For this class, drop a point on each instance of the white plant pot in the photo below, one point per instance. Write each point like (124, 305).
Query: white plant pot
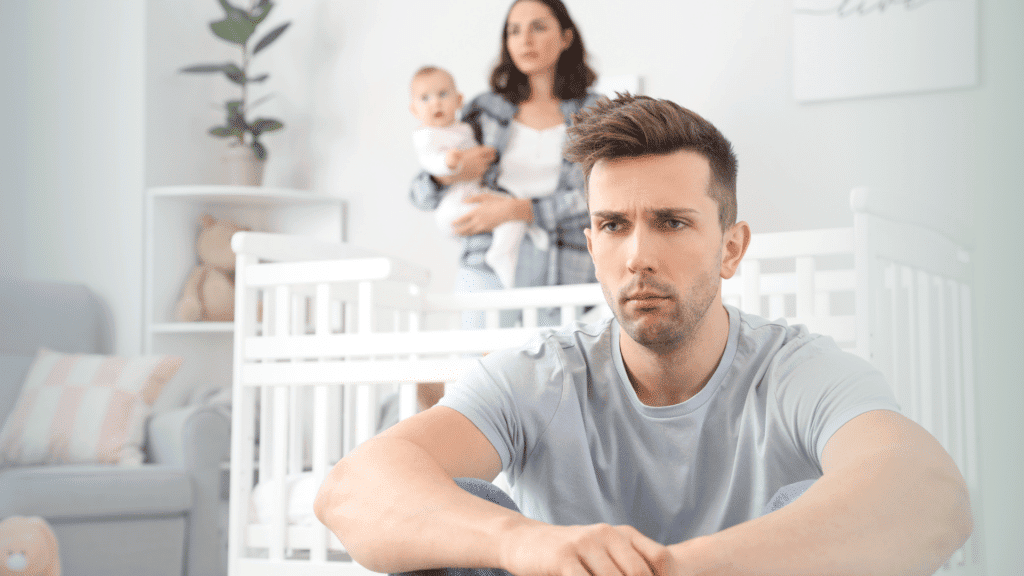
(243, 167)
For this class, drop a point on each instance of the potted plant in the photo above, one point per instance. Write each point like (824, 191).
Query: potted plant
(248, 154)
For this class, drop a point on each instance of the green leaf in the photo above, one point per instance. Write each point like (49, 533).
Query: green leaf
(270, 37)
(209, 68)
(259, 12)
(260, 150)
(225, 131)
(235, 118)
(236, 75)
(262, 125)
(236, 31)
(232, 12)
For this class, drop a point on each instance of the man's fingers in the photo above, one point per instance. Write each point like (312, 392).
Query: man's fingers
(657, 557)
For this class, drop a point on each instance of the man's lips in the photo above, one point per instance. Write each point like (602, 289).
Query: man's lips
(646, 296)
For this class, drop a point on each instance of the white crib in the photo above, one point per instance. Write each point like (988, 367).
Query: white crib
(325, 332)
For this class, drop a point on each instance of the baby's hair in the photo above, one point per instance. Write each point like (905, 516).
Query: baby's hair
(430, 69)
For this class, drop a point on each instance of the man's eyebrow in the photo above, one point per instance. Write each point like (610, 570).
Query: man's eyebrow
(663, 213)
(608, 215)
(657, 213)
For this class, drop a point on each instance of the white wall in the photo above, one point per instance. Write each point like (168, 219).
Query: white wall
(73, 164)
(340, 76)
(76, 153)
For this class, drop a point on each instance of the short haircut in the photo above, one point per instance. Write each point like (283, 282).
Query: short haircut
(630, 126)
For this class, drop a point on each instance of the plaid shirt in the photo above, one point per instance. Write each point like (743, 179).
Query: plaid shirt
(563, 214)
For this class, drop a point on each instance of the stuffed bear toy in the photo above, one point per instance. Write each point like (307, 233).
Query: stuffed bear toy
(28, 547)
(209, 293)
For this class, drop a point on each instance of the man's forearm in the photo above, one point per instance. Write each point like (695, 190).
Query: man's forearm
(892, 516)
(396, 510)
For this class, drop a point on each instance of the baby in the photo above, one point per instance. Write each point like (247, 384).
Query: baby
(439, 143)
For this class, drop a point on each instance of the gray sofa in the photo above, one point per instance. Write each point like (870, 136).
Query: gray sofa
(160, 518)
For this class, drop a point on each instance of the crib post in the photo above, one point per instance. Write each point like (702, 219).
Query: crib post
(243, 438)
(805, 293)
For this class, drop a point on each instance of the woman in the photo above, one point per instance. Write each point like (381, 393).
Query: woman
(540, 81)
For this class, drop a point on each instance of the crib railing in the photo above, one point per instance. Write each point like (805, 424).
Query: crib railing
(318, 345)
(326, 333)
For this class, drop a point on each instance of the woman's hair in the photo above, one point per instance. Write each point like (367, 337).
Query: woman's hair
(631, 126)
(572, 75)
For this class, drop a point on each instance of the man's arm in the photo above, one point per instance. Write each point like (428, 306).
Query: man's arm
(891, 501)
(393, 504)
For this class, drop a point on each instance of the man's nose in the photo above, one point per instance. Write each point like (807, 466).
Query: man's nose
(640, 253)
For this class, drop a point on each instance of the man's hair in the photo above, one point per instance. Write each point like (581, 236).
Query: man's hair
(630, 126)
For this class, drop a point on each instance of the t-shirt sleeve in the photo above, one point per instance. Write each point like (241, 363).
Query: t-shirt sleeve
(511, 397)
(820, 388)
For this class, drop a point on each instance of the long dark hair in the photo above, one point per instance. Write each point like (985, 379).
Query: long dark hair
(572, 75)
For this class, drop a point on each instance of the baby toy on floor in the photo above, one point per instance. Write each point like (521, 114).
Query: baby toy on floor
(28, 547)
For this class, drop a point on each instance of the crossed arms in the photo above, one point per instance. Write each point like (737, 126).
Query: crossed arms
(890, 501)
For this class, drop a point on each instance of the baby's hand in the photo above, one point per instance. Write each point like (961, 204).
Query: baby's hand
(453, 158)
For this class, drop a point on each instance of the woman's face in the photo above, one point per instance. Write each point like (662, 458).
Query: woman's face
(535, 38)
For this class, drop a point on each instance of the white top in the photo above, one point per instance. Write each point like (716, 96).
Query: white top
(432, 144)
(531, 165)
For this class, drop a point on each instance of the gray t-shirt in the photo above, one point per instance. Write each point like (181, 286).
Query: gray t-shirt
(579, 447)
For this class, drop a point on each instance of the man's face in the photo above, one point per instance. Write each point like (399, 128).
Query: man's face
(434, 99)
(656, 244)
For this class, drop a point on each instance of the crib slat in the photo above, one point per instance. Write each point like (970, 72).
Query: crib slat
(805, 292)
(751, 298)
(530, 317)
(925, 381)
(968, 355)
(955, 367)
(278, 519)
(941, 353)
(912, 335)
(318, 542)
(266, 430)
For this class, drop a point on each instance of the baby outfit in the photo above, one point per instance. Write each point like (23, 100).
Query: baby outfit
(530, 168)
(431, 144)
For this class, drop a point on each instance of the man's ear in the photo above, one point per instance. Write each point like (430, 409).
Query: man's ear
(590, 245)
(458, 98)
(734, 245)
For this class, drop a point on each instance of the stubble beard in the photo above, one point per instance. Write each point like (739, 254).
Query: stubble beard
(674, 328)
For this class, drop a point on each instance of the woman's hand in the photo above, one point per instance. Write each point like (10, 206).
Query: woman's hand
(472, 165)
(492, 210)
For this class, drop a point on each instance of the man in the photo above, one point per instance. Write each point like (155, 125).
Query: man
(651, 443)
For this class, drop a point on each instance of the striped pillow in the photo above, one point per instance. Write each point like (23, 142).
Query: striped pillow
(84, 409)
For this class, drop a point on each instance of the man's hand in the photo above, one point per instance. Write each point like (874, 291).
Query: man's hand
(538, 549)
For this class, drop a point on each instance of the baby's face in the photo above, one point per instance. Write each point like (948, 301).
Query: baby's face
(434, 99)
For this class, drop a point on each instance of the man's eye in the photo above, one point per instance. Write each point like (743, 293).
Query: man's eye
(611, 226)
(443, 94)
(675, 224)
